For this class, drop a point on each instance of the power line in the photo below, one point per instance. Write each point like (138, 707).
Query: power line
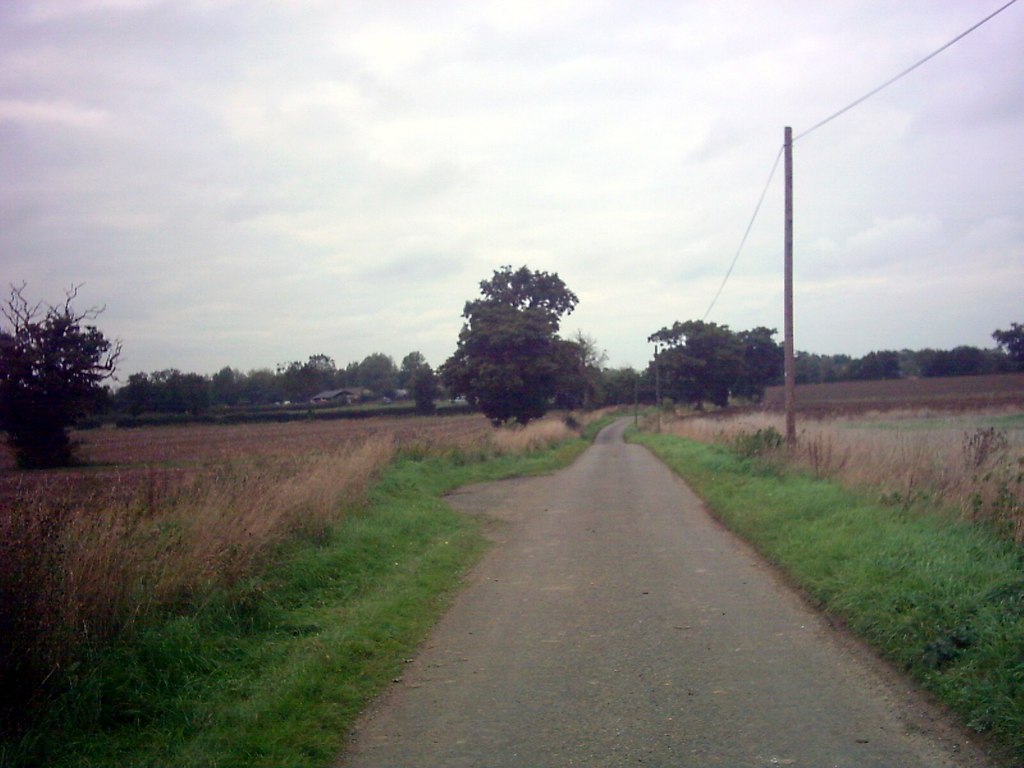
(902, 74)
(829, 119)
(746, 234)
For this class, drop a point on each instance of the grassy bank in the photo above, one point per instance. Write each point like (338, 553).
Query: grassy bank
(271, 667)
(941, 598)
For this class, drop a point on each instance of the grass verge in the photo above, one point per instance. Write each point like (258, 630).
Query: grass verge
(942, 599)
(273, 670)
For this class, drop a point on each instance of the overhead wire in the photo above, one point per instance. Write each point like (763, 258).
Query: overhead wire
(902, 74)
(829, 119)
(746, 234)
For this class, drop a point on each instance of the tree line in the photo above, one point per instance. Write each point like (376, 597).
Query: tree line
(376, 377)
(510, 362)
(906, 363)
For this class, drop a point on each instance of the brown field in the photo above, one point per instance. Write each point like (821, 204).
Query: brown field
(946, 460)
(956, 393)
(117, 463)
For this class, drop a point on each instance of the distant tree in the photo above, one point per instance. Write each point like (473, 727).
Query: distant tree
(423, 383)
(509, 358)
(378, 373)
(762, 363)
(580, 383)
(226, 387)
(624, 385)
(698, 362)
(959, 361)
(1011, 341)
(52, 364)
(411, 363)
(875, 366)
(261, 386)
(301, 381)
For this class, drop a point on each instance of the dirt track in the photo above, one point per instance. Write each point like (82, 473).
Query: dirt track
(615, 623)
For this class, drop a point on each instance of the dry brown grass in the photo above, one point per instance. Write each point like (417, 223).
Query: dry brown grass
(954, 462)
(165, 515)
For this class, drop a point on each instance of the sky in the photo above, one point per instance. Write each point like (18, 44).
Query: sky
(252, 183)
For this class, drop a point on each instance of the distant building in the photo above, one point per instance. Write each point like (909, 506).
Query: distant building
(343, 396)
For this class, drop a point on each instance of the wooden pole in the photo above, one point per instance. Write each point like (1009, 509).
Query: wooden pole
(790, 359)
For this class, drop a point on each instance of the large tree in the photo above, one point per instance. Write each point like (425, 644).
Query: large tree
(510, 360)
(698, 362)
(52, 363)
(1011, 341)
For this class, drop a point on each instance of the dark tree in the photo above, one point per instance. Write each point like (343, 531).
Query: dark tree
(378, 374)
(52, 363)
(1012, 342)
(762, 363)
(509, 358)
(875, 366)
(698, 362)
(411, 363)
(423, 383)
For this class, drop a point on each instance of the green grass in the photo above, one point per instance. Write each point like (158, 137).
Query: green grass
(1006, 422)
(942, 599)
(275, 672)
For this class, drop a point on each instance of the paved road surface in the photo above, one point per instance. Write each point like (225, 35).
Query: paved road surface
(616, 624)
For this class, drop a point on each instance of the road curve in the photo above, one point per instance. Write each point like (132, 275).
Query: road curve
(615, 623)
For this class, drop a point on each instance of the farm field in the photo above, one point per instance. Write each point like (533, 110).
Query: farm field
(145, 585)
(961, 462)
(951, 393)
(201, 443)
(120, 463)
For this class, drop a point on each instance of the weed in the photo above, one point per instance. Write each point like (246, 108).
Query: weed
(761, 443)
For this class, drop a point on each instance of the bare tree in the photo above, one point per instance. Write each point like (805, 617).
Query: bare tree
(52, 362)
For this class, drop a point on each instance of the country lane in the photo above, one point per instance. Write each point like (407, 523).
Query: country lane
(616, 623)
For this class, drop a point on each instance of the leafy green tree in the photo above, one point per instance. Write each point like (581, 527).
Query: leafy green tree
(698, 362)
(875, 366)
(626, 385)
(762, 363)
(411, 363)
(226, 386)
(378, 373)
(261, 387)
(1011, 341)
(52, 363)
(423, 383)
(580, 384)
(300, 381)
(509, 357)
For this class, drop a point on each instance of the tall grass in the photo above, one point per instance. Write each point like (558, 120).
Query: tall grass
(77, 572)
(82, 566)
(910, 459)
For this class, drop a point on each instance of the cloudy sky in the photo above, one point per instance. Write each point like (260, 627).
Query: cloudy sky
(250, 183)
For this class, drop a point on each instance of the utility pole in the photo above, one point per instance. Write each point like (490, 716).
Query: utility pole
(657, 383)
(790, 359)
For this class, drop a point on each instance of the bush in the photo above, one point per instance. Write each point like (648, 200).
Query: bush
(751, 445)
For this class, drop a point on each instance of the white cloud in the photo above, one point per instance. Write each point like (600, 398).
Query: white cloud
(249, 183)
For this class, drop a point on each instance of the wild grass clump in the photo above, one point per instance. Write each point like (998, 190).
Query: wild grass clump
(74, 576)
(933, 463)
(535, 436)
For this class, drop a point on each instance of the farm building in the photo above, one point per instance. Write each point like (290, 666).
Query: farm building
(342, 396)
